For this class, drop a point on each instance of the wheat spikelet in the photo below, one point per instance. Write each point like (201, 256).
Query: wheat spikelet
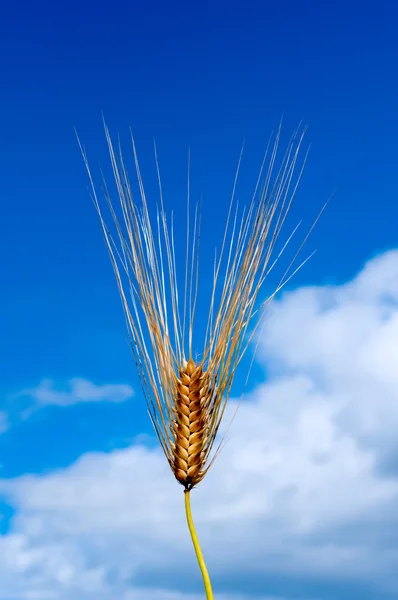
(186, 398)
(190, 427)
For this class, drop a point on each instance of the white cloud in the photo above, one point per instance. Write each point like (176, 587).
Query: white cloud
(76, 390)
(345, 339)
(302, 489)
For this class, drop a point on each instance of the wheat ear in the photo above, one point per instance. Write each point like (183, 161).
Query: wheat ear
(186, 397)
(191, 424)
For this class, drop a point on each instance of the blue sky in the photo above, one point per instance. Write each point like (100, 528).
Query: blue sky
(204, 76)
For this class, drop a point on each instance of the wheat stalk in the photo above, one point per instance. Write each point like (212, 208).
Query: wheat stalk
(186, 396)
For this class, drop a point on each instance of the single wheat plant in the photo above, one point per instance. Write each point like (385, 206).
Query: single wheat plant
(186, 394)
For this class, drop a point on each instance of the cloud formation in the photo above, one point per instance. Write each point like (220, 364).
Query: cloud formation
(305, 491)
(76, 390)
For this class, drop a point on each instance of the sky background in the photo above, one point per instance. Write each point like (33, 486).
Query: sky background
(302, 503)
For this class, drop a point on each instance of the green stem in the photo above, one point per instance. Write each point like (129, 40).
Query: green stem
(199, 555)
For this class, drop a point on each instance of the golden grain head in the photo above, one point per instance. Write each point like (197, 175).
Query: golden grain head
(187, 397)
(190, 427)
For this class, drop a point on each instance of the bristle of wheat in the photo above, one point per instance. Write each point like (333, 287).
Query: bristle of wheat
(190, 425)
(186, 400)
